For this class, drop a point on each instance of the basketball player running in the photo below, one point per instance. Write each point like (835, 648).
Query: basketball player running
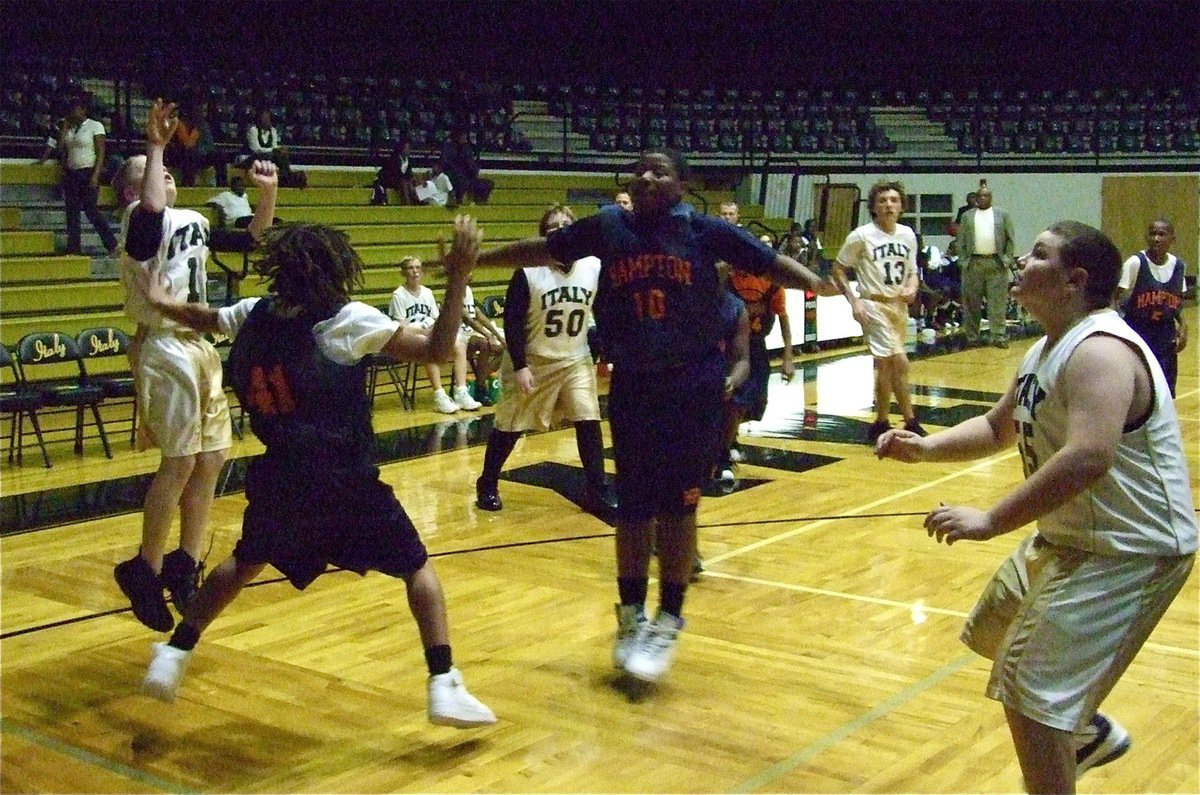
(548, 370)
(314, 497)
(178, 373)
(1106, 481)
(883, 255)
(657, 312)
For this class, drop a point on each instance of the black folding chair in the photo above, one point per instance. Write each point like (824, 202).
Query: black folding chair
(17, 399)
(105, 342)
(402, 375)
(56, 352)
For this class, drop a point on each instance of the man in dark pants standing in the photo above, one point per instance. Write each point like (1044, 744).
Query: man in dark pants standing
(985, 255)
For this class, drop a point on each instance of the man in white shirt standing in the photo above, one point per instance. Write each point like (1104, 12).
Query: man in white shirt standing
(985, 251)
(81, 143)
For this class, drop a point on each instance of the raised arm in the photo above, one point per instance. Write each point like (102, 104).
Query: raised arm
(160, 127)
(264, 176)
(435, 346)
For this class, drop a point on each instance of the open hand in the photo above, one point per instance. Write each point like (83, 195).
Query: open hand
(161, 122)
(464, 249)
(952, 523)
(149, 282)
(901, 445)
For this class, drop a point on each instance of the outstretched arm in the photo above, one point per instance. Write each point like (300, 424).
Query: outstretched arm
(525, 253)
(149, 282)
(788, 272)
(970, 439)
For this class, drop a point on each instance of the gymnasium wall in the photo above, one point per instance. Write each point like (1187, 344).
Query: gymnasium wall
(1033, 200)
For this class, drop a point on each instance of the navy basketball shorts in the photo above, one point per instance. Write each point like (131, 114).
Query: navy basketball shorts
(664, 434)
(344, 518)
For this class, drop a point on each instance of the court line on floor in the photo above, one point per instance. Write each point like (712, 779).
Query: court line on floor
(922, 607)
(94, 760)
(785, 766)
(853, 597)
(858, 511)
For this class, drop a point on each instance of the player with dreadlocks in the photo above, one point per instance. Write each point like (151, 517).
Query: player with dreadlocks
(315, 497)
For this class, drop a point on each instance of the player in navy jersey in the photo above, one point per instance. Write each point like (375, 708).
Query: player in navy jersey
(315, 497)
(657, 311)
(1152, 295)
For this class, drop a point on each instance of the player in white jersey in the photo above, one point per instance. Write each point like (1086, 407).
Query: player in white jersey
(1106, 481)
(883, 256)
(178, 373)
(484, 343)
(413, 304)
(547, 374)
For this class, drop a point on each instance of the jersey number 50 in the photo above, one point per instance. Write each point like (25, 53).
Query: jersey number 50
(574, 324)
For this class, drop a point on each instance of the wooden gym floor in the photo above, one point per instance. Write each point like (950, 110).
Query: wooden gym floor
(821, 652)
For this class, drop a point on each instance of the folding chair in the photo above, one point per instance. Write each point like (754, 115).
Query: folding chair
(17, 399)
(402, 375)
(105, 342)
(55, 351)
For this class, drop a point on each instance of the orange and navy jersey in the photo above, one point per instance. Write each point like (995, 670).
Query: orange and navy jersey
(1153, 306)
(657, 304)
(764, 300)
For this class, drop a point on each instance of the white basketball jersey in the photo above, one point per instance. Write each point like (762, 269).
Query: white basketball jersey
(182, 257)
(468, 311)
(413, 310)
(879, 260)
(560, 310)
(1143, 504)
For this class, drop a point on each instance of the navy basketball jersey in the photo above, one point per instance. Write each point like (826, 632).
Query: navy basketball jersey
(301, 404)
(1153, 307)
(657, 305)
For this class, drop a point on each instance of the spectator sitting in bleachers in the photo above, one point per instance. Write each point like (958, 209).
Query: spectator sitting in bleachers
(232, 206)
(193, 148)
(413, 304)
(435, 188)
(461, 163)
(396, 174)
(263, 142)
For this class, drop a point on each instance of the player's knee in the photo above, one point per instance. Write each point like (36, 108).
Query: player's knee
(176, 469)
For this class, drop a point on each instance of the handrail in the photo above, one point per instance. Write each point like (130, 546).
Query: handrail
(756, 224)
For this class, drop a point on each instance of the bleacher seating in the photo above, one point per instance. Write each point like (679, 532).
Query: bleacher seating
(1120, 121)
